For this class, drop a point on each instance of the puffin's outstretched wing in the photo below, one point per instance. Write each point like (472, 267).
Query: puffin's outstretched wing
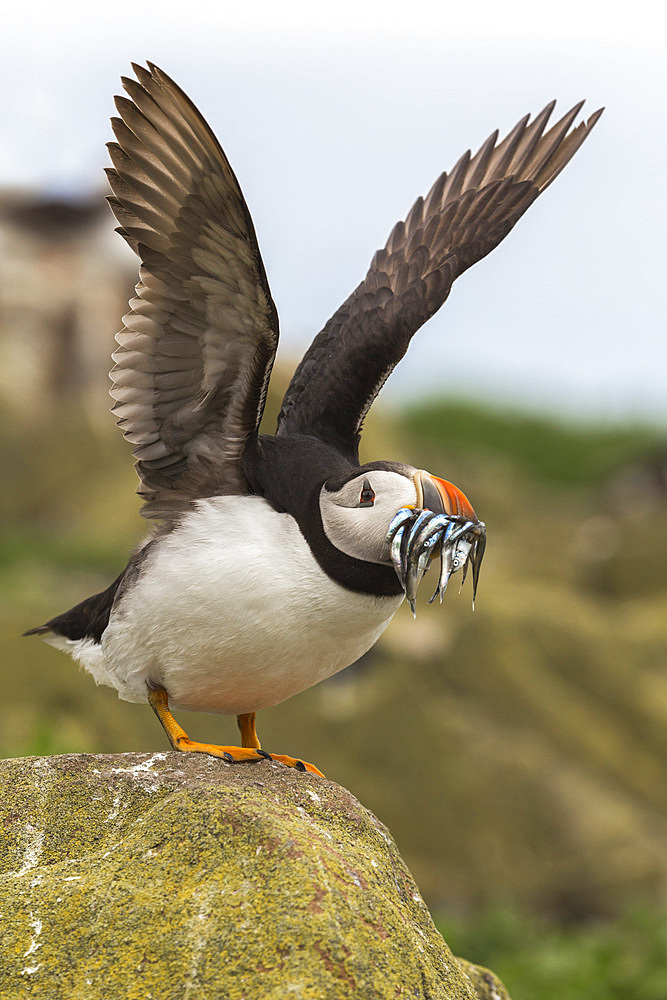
(199, 341)
(464, 216)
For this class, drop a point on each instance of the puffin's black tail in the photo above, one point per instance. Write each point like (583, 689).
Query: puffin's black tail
(86, 620)
(37, 631)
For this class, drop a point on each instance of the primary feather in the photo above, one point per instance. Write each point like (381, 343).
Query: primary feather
(463, 217)
(196, 351)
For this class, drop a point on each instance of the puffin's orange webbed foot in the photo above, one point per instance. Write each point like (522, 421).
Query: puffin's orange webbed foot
(300, 765)
(251, 749)
(231, 755)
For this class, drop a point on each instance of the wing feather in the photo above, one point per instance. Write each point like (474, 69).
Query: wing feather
(462, 218)
(197, 346)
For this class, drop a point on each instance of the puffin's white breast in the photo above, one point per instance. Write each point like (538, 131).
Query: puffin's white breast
(232, 613)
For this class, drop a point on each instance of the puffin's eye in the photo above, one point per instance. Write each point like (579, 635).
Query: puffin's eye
(367, 498)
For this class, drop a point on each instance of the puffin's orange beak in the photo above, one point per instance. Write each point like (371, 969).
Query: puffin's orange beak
(442, 497)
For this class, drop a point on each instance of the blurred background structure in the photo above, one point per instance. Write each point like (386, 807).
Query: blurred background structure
(518, 755)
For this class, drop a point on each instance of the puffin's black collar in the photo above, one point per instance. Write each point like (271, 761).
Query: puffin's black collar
(290, 473)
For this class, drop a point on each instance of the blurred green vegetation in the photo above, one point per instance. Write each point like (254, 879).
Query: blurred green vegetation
(535, 958)
(545, 450)
(517, 754)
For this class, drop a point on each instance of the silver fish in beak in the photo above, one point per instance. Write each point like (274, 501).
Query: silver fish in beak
(442, 523)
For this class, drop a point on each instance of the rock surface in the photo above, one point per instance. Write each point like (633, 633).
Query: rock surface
(170, 876)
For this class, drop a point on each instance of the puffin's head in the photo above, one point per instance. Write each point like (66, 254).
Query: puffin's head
(389, 513)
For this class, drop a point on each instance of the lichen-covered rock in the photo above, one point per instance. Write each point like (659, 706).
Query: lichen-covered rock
(174, 876)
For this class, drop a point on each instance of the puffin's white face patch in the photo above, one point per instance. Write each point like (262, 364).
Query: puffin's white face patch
(360, 531)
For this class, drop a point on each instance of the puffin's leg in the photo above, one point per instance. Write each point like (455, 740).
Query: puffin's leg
(249, 737)
(179, 739)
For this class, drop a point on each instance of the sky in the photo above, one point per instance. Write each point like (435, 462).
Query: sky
(336, 117)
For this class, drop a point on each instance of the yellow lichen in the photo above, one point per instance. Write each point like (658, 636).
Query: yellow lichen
(174, 877)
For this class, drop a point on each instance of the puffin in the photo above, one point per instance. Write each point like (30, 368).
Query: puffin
(274, 560)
